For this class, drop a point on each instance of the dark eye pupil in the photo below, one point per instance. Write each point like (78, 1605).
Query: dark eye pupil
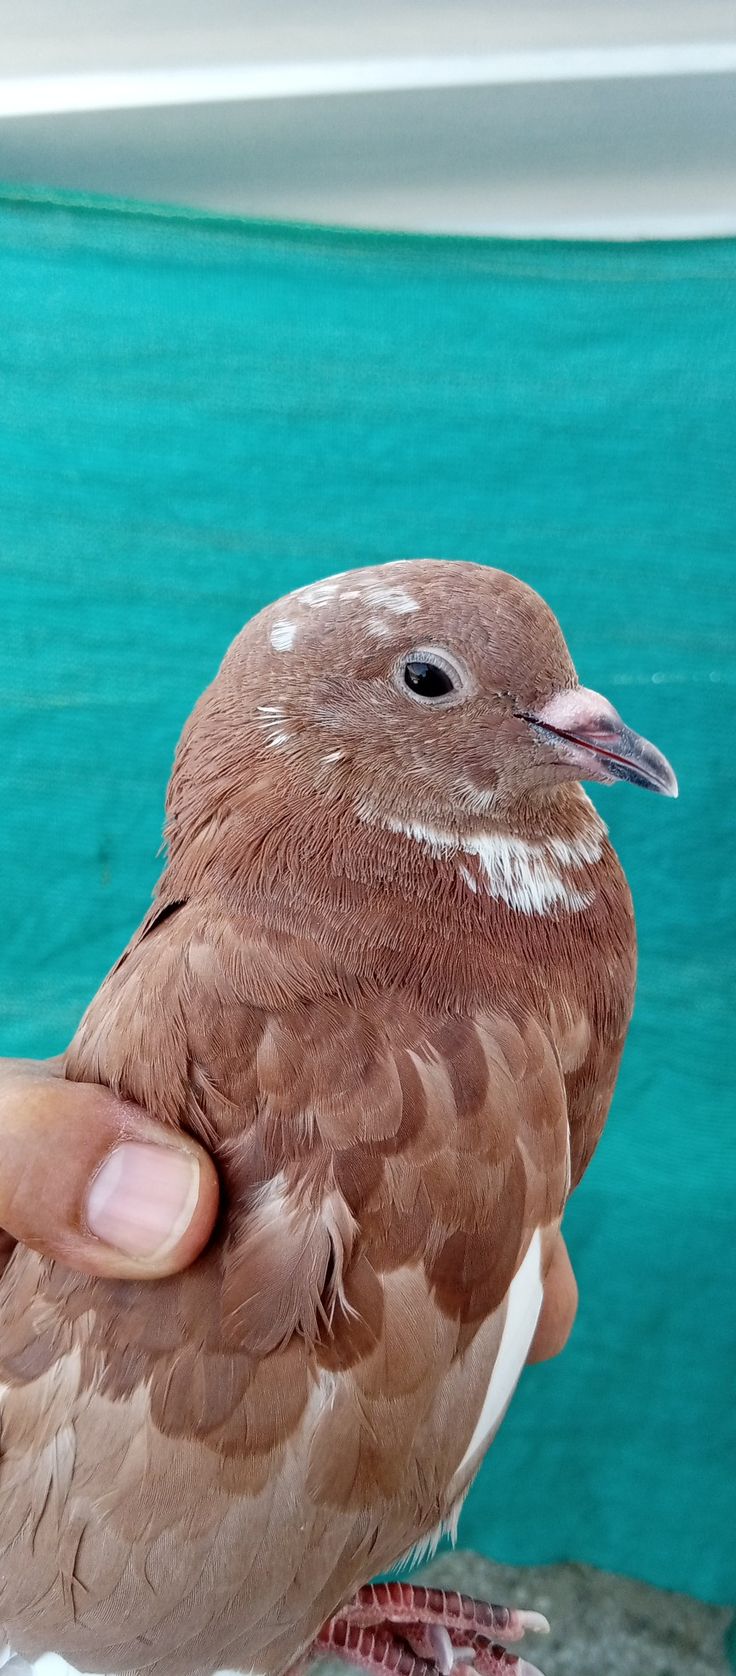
(427, 679)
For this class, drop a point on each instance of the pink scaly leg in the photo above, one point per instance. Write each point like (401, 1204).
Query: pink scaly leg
(410, 1630)
(409, 1603)
(375, 1648)
(449, 1651)
(370, 1647)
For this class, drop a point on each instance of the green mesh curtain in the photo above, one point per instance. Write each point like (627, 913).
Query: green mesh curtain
(196, 414)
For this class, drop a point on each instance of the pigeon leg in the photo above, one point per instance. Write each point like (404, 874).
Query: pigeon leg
(450, 1651)
(379, 1649)
(371, 1647)
(416, 1631)
(407, 1603)
(481, 1658)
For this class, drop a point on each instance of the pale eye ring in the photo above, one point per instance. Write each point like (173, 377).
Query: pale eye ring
(430, 676)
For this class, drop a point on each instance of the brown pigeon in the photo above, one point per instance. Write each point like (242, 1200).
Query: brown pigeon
(386, 978)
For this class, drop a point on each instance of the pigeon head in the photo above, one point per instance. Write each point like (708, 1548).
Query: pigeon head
(423, 691)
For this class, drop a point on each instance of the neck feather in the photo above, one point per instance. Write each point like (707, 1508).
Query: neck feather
(446, 914)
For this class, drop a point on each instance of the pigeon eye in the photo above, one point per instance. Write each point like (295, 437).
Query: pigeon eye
(426, 679)
(431, 675)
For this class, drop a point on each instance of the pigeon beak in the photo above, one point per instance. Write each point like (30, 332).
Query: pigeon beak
(588, 732)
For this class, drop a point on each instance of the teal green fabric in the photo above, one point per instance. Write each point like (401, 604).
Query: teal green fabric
(199, 414)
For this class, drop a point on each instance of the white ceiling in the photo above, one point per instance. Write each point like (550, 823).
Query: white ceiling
(44, 35)
(607, 150)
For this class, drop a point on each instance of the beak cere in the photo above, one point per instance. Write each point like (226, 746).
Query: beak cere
(587, 731)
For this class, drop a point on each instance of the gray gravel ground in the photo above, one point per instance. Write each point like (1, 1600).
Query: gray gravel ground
(601, 1625)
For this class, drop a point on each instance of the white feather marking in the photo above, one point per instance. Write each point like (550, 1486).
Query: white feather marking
(319, 593)
(283, 635)
(271, 1197)
(427, 1545)
(522, 872)
(279, 738)
(332, 756)
(227, 1672)
(522, 1313)
(275, 710)
(587, 847)
(49, 1664)
(52, 1664)
(525, 873)
(396, 600)
(328, 1388)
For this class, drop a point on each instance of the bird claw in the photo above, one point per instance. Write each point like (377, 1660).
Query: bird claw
(433, 1643)
(495, 1661)
(411, 1630)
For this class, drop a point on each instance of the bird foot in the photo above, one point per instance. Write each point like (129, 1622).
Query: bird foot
(409, 1630)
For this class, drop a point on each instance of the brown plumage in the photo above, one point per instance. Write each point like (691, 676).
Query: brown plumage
(387, 978)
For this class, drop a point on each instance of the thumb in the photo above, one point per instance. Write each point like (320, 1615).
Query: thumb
(92, 1181)
(559, 1306)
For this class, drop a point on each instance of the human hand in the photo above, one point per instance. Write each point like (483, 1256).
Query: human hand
(559, 1306)
(92, 1181)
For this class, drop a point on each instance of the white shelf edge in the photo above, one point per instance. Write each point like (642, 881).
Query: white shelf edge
(64, 95)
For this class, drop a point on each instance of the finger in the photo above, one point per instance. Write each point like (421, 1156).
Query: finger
(559, 1306)
(92, 1181)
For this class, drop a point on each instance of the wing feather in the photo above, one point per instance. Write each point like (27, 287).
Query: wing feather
(221, 1458)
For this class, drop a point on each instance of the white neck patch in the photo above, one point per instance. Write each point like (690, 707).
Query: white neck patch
(529, 875)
